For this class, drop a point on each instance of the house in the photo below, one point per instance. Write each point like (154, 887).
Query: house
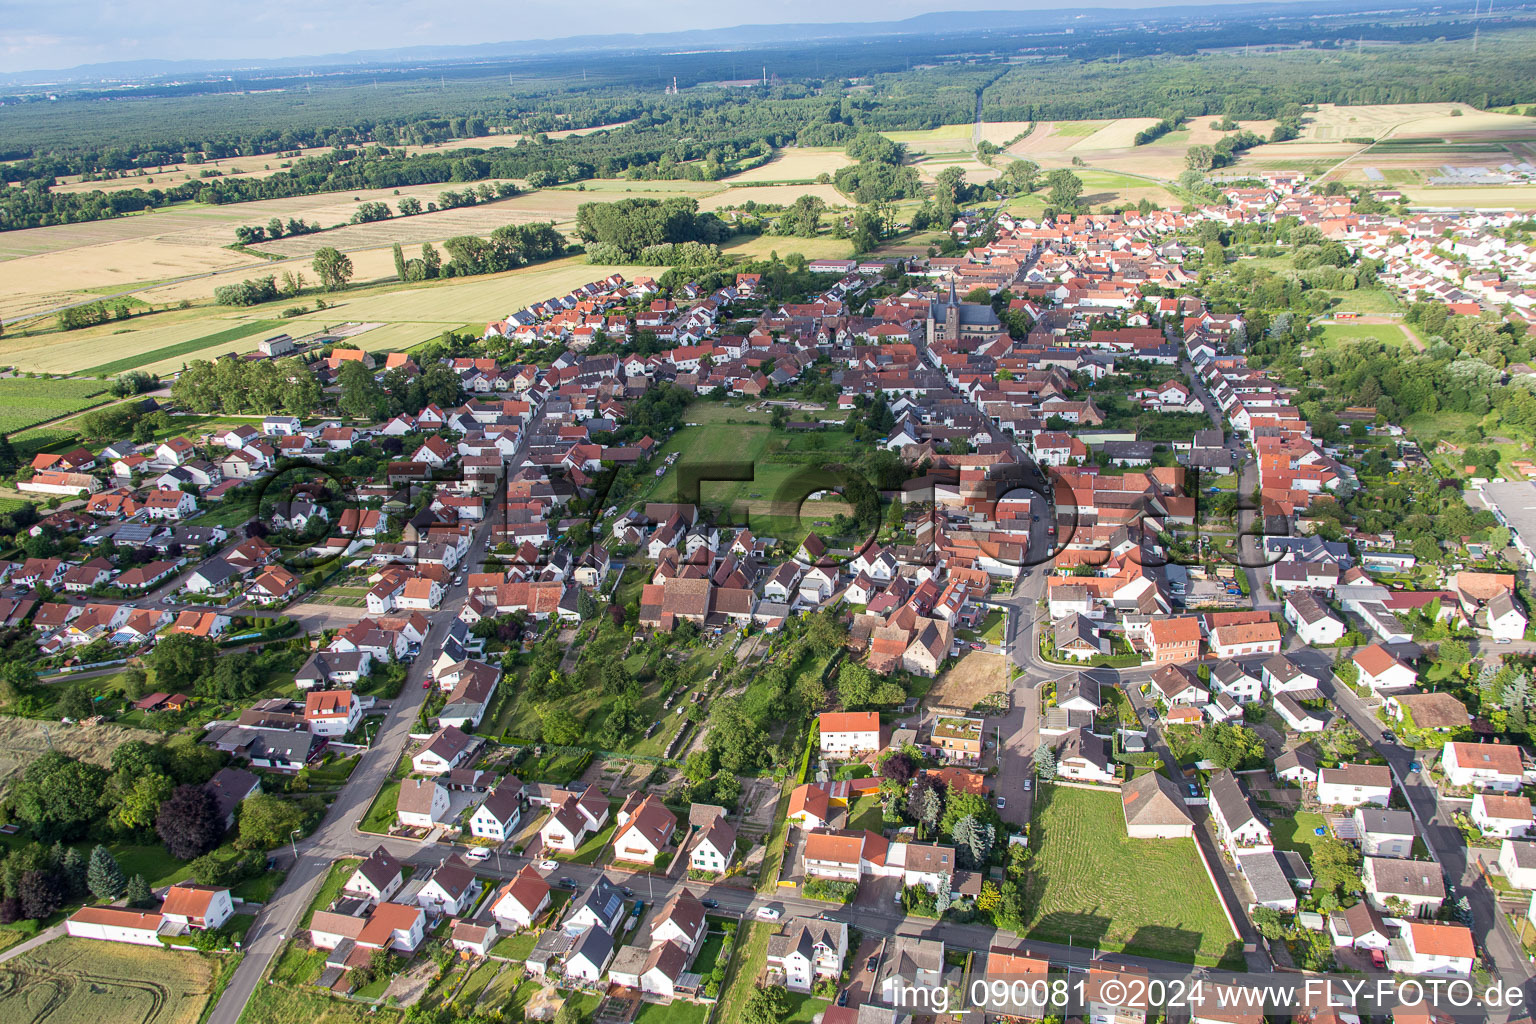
(230, 787)
(1351, 785)
(590, 955)
(1245, 638)
(332, 712)
(847, 734)
(1016, 985)
(1360, 927)
(645, 830)
(1517, 862)
(570, 821)
(1176, 686)
(1491, 767)
(1077, 637)
(274, 586)
(833, 855)
(1297, 717)
(329, 668)
(1267, 881)
(1116, 993)
(1416, 885)
(1423, 948)
(808, 950)
(1385, 833)
(600, 907)
(909, 962)
(113, 924)
(810, 806)
(1173, 641)
(1308, 614)
(683, 921)
(1236, 681)
(1382, 671)
(385, 926)
(520, 902)
(474, 938)
(378, 877)
(1078, 692)
(1282, 675)
(498, 815)
(958, 739)
(1238, 825)
(170, 504)
(190, 906)
(715, 847)
(1081, 757)
(422, 803)
(1434, 712)
(1154, 808)
(450, 888)
(1501, 815)
(445, 751)
(1298, 765)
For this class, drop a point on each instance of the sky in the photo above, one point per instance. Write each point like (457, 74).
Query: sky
(47, 34)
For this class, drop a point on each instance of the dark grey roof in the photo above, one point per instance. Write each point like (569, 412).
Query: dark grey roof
(1265, 877)
(1228, 796)
(1376, 821)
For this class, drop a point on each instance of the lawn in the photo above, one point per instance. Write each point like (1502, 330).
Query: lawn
(331, 887)
(81, 980)
(1335, 335)
(750, 956)
(590, 850)
(865, 813)
(381, 813)
(679, 1011)
(1295, 832)
(280, 1004)
(1092, 885)
(26, 402)
(183, 348)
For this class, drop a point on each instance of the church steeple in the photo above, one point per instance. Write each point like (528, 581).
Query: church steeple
(954, 300)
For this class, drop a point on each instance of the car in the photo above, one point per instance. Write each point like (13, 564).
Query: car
(869, 965)
(977, 645)
(1503, 640)
(548, 865)
(842, 998)
(567, 883)
(1193, 789)
(711, 904)
(1414, 768)
(1388, 736)
(1035, 518)
(1002, 802)
(1029, 784)
(426, 684)
(629, 893)
(767, 914)
(479, 853)
(898, 895)
(1026, 573)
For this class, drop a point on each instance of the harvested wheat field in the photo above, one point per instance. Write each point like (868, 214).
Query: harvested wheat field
(173, 174)
(999, 132)
(776, 195)
(22, 742)
(79, 980)
(1118, 134)
(972, 676)
(795, 164)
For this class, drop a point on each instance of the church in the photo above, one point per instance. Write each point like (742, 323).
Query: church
(951, 319)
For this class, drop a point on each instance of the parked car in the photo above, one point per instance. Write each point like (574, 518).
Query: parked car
(479, 853)
(548, 865)
(567, 883)
(869, 965)
(977, 645)
(1414, 767)
(842, 998)
(1389, 736)
(1002, 802)
(711, 904)
(767, 914)
(426, 684)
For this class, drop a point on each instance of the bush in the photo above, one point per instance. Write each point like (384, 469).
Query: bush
(823, 889)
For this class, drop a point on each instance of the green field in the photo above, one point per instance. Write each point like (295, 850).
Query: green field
(1391, 335)
(70, 980)
(1092, 885)
(1078, 128)
(947, 132)
(235, 333)
(25, 402)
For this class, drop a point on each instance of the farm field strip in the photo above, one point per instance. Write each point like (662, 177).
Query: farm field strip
(83, 980)
(25, 402)
(235, 333)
